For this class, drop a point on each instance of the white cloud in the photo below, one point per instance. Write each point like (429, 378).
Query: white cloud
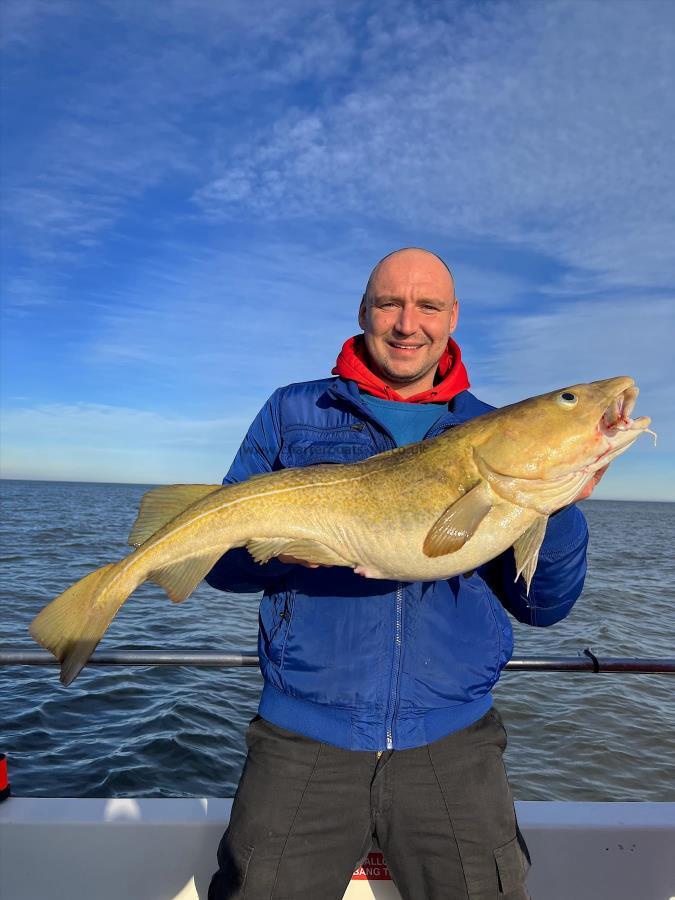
(236, 321)
(538, 128)
(22, 22)
(96, 424)
(580, 342)
(543, 124)
(21, 293)
(106, 443)
(155, 97)
(546, 125)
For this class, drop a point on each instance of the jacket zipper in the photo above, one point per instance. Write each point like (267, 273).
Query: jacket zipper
(398, 638)
(435, 430)
(396, 667)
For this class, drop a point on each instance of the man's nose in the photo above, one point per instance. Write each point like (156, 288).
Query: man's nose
(406, 322)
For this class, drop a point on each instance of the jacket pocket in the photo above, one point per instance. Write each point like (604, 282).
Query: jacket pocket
(304, 445)
(340, 630)
(276, 612)
(453, 644)
(512, 866)
(504, 629)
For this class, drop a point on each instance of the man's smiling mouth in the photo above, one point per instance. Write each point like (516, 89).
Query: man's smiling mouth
(398, 346)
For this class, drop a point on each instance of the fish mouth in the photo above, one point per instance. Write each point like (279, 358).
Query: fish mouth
(616, 419)
(618, 428)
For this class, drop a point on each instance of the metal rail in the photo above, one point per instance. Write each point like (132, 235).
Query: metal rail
(585, 662)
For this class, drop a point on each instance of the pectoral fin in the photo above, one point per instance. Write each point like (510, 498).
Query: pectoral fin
(181, 578)
(459, 522)
(163, 504)
(264, 549)
(526, 550)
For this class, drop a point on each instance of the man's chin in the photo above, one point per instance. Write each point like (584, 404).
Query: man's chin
(400, 378)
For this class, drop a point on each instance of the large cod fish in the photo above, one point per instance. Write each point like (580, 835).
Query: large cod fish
(428, 511)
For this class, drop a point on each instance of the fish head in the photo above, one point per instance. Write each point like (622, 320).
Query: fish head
(577, 429)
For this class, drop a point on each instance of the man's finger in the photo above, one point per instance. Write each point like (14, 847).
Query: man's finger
(590, 487)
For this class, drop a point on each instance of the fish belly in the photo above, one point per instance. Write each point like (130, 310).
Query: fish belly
(397, 553)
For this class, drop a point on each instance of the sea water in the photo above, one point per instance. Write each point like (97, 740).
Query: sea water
(160, 732)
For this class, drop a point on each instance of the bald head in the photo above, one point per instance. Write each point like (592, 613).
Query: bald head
(407, 313)
(411, 262)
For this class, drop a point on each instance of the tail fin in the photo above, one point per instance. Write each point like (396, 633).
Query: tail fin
(72, 625)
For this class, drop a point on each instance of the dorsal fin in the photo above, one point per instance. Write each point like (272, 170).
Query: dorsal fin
(459, 522)
(162, 504)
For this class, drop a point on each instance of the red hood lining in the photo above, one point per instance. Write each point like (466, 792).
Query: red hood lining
(353, 364)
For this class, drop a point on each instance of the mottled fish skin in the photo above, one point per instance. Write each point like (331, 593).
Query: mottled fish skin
(428, 511)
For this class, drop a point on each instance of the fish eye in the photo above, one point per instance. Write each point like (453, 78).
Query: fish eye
(567, 399)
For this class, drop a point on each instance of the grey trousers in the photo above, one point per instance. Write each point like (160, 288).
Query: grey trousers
(306, 814)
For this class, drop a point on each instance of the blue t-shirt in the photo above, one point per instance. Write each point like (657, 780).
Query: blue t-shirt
(408, 422)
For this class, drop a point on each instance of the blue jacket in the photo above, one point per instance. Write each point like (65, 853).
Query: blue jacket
(371, 664)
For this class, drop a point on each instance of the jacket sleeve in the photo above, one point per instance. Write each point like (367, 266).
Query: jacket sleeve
(237, 571)
(559, 576)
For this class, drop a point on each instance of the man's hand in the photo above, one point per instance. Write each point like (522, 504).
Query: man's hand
(590, 487)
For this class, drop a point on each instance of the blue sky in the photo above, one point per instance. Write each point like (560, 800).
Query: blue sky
(194, 193)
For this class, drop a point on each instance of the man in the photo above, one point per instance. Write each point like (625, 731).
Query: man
(376, 721)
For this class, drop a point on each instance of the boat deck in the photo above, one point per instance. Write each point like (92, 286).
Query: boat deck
(165, 849)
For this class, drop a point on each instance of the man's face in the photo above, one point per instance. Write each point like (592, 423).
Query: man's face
(407, 315)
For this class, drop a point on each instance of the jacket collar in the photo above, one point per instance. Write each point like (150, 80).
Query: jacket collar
(346, 390)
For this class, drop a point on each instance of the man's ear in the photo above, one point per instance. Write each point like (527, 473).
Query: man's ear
(362, 313)
(454, 316)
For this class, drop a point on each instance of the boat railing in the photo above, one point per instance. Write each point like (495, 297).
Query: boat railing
(584, 661)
